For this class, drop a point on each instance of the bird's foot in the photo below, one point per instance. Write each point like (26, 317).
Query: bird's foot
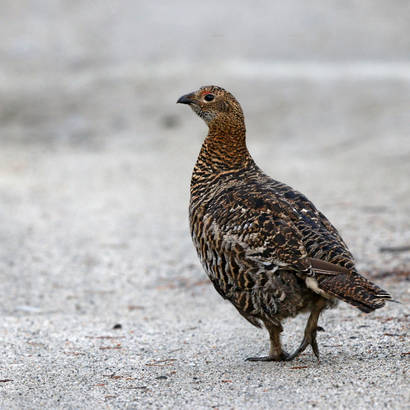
(283, 356)
(309, 339)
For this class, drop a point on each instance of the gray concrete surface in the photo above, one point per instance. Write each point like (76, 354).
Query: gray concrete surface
(95, 165)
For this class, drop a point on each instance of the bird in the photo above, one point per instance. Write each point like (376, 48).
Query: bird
(265, 247)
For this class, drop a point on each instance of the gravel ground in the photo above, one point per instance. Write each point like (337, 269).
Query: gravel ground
(104, 303)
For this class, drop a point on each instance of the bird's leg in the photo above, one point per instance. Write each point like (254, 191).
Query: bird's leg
(276, 352)
(310, 331)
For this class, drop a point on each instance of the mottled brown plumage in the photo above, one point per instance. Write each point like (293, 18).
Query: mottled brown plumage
(265, 246)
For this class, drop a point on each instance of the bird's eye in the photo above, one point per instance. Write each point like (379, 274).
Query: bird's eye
(209, 97)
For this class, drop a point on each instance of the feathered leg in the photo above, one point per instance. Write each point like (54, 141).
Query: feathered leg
(311, 329)
(276, 352)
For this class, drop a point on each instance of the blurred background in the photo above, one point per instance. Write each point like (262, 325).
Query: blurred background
(82, 73)
(96, 159)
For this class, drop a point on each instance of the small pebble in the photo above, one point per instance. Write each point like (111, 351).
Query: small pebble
(161, 377)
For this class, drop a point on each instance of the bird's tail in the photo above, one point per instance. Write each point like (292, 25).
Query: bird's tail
(351, 287)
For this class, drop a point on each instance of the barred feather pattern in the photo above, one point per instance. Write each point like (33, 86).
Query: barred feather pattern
(258, 239)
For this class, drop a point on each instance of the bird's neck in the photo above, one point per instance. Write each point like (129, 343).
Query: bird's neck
(224, 149)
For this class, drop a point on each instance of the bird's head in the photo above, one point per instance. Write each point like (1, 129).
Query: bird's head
(214, 105)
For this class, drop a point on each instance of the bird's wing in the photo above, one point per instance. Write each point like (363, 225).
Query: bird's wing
(277, 241)
(260, 232)
(263, 233)
(310, 218)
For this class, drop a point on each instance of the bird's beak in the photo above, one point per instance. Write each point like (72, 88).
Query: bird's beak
(186, 99)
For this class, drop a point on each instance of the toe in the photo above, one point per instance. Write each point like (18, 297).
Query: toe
(283, 356)
(259, 359)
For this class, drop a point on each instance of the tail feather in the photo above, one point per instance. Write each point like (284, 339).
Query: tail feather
(356, 290)
(349, 286)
